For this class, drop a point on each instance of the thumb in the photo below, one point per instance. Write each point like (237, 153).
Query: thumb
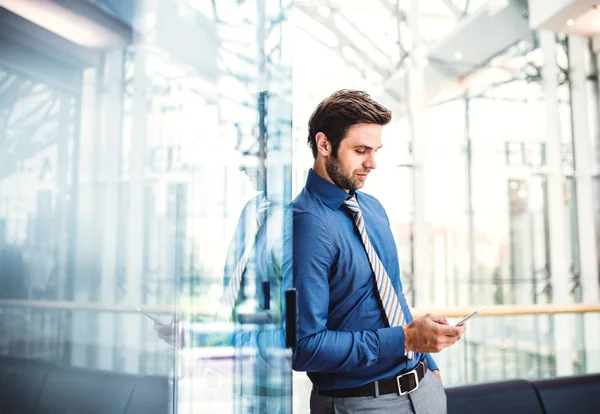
(439, 319)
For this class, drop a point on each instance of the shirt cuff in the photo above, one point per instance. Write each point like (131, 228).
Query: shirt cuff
(431, 365)
(391, 342)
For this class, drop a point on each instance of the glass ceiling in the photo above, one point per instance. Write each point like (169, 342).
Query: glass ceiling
(336, 44)
(373, 35)
(28, 118)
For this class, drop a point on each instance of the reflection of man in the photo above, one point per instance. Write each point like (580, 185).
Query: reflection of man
(264, 375)
(356, 337)
(248, 239)
(251, 273)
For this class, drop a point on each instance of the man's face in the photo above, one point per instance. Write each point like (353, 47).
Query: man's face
(256, 178)
(355, 157)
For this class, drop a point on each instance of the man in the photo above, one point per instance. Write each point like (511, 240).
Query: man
(356, 337)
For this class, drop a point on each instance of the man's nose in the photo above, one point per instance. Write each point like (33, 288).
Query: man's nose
(370, 162)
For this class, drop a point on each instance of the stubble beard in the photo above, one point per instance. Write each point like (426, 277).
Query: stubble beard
(336, 172)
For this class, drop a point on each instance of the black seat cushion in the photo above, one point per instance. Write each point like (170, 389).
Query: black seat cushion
(151, 396)
(496, 398)
(579, 395)
(21, 382)
(82, 391)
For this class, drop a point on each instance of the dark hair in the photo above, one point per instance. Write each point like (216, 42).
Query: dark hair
(344, 108)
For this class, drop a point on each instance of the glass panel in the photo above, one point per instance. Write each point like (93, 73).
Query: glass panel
(38, 188)
(144, 189)
(498, 348)
(571, 203)
(219, 149)
(529, 281)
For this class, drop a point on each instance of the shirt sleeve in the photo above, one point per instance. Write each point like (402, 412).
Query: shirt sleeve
(431, 365)
(318, 348)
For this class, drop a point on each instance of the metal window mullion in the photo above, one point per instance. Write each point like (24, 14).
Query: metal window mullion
(558, 230)
(583, 150)
(416, 89)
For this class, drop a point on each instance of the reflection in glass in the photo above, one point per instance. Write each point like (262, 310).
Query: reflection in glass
(142, 188)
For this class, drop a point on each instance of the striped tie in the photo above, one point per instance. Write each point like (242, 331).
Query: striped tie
(387, 294)
(235, 282)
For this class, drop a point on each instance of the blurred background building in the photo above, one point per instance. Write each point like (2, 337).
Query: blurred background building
(133, 133)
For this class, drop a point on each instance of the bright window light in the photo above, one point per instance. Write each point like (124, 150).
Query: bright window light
(63, 22)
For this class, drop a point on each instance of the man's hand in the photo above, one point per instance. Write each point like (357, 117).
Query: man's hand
(166, 332)
(437, 374)
(431, 333)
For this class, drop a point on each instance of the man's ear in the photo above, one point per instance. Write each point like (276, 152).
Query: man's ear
(323, 144)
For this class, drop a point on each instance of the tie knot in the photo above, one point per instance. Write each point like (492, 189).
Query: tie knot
(352, 205)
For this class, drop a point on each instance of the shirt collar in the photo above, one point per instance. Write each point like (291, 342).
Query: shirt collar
(332, 195)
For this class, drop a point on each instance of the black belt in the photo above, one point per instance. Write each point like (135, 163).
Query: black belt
(402, 384)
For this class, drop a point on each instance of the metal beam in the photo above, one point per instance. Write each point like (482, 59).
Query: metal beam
(14, 91)
(583, 150)
(330, 24)
(367, 38)
(466, 12)
(557, 221)
(400, 16)
(422, 270)
(338, 48)
(454, 9)
(22, 119)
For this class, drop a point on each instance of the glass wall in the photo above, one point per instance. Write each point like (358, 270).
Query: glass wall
(157, 183)
(36, 223)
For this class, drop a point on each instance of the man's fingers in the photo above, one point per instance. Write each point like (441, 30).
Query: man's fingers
(431, 333)
(439, 319)
(452, 331)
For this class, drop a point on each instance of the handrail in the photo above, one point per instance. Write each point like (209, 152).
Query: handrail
(513, 310)
(89, 306)
(495, 310)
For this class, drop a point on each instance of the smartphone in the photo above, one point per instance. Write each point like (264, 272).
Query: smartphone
(150, 315)
(471, 315)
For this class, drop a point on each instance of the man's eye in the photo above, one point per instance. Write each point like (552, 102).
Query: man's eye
(361, 151)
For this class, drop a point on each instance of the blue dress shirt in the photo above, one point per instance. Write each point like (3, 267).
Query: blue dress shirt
(343, 339)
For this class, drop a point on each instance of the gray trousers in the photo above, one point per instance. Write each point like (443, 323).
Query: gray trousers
(429, 398)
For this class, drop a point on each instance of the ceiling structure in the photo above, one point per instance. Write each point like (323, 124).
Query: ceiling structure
(366, 42)
(29, 119)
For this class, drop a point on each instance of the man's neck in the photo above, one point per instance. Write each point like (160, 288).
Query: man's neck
(320, 169)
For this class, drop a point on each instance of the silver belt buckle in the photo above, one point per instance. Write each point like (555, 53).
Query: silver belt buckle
(417, 382)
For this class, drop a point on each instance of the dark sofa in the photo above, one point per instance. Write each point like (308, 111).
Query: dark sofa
(569, 395)
(39, 387)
